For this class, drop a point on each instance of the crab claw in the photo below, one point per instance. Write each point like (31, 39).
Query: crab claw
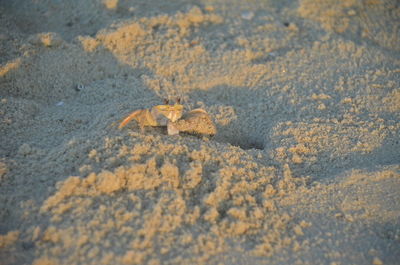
(172, 130)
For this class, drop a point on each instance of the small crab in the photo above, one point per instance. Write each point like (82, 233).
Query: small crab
(156, 116)
(197, 121)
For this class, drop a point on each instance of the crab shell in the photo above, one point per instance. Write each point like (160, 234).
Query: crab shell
(158, 115)
(197, 121)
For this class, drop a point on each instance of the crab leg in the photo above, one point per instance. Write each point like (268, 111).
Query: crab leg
(129, 118)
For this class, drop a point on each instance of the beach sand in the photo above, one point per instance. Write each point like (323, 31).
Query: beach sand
(304, 169)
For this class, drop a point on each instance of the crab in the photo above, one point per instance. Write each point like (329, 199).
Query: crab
(156, 116)
(196, 121)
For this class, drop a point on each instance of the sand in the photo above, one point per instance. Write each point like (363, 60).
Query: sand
(304, 169)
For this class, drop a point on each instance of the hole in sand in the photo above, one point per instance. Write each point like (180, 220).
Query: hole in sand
(247, 143)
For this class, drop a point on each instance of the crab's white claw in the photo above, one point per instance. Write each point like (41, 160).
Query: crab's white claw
(172, 130)
(174, 116)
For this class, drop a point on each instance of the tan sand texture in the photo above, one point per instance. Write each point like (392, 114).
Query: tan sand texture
(304, 167)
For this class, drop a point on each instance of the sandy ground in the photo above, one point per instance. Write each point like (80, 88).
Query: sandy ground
(304, 169)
